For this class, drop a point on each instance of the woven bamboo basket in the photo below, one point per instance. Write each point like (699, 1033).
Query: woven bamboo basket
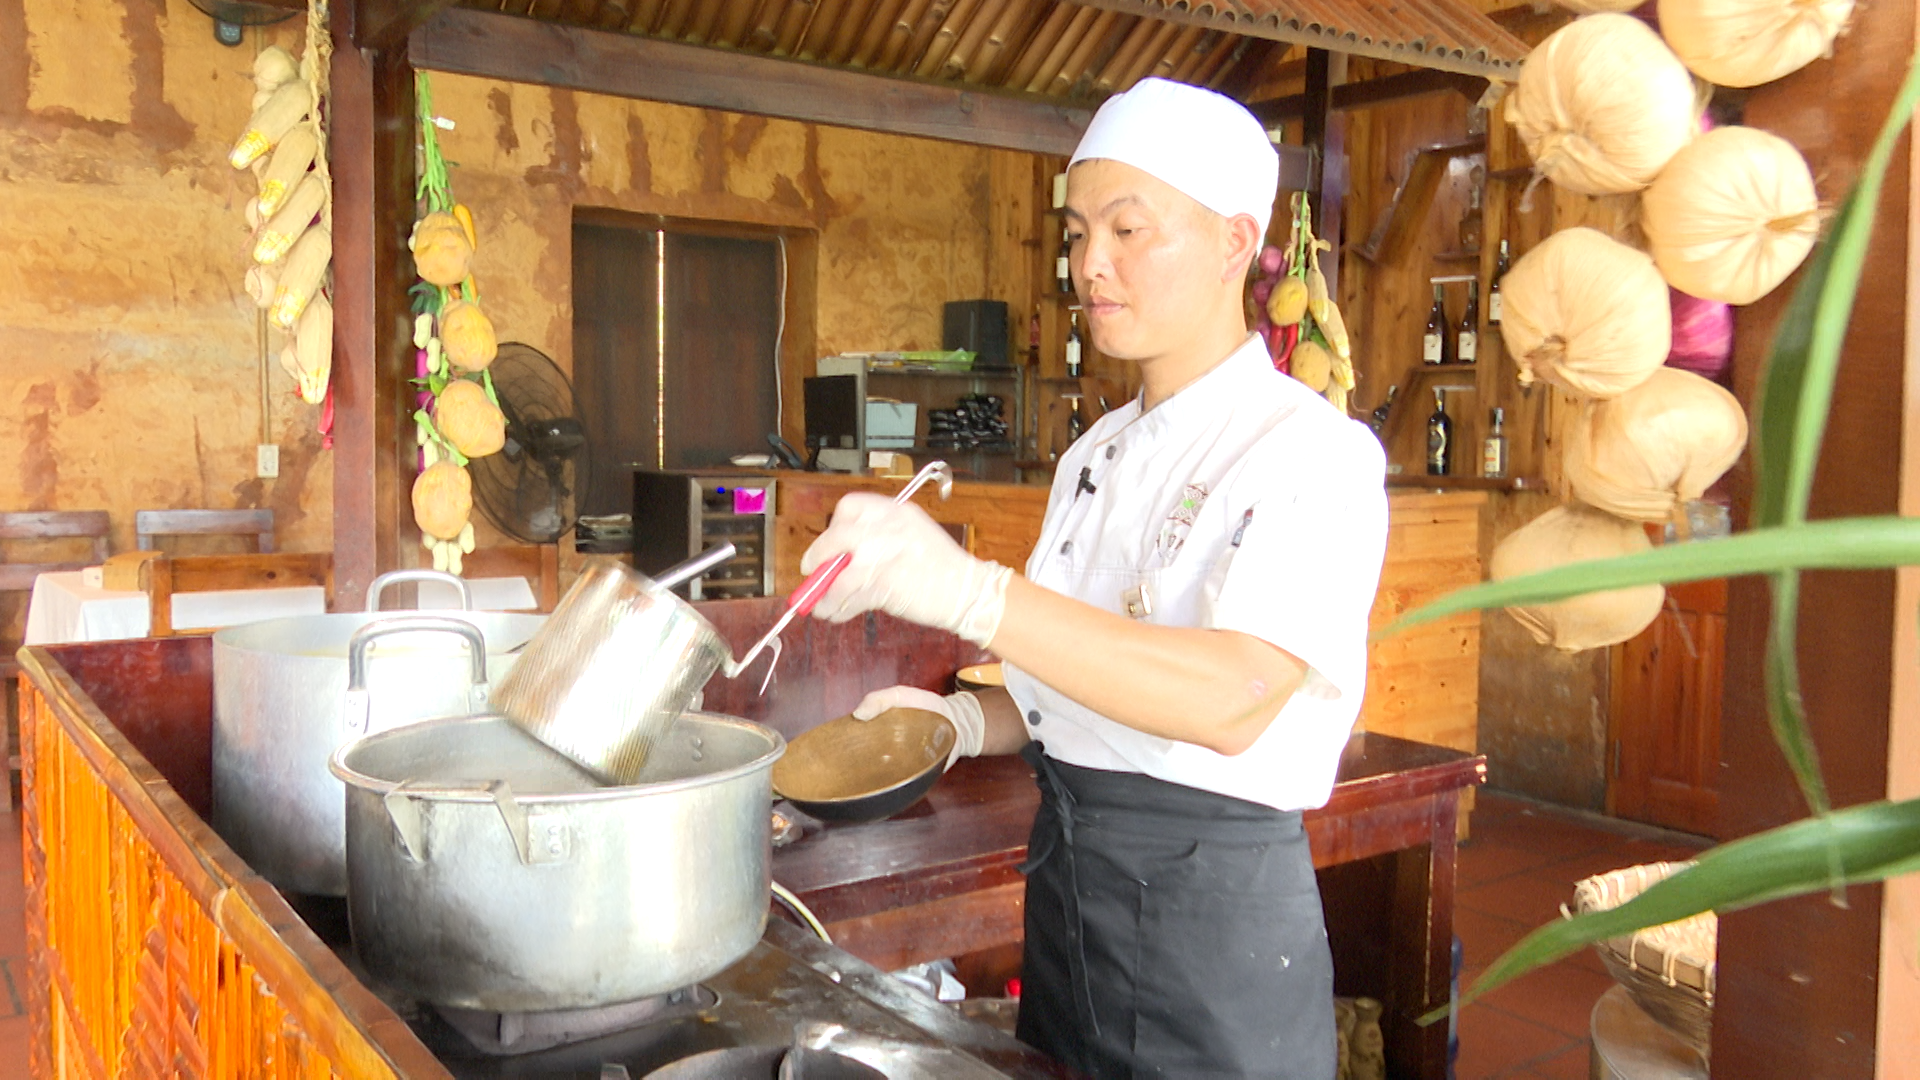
(1669, 969)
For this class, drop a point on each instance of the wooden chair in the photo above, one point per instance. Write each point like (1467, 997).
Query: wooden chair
(539, 564)
(50, 525)
(258, 524)
(207, 573)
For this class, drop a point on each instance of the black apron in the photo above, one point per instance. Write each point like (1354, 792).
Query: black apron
(1171, 932)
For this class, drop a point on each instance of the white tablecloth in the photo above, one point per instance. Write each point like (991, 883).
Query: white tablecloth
(63, 609)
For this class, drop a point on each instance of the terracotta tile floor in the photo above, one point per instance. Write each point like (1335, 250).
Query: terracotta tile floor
(1515, 873)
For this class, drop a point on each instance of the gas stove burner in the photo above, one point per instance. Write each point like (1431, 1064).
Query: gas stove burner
(767, 1063)
(503, 1034)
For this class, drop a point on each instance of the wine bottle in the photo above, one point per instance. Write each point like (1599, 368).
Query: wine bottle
(1383, 410)
(1439, 435)
(1062, 265)
(1500, 268)
(1076, 422)
(1493, 450)
(1073, 345)
(1434, 346)
(1468, 338)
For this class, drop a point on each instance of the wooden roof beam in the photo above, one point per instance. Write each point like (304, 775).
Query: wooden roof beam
(381, 24)
(1365, 95)
(494, 46)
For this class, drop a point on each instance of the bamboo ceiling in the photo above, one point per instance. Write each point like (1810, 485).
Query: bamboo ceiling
(1079, 51)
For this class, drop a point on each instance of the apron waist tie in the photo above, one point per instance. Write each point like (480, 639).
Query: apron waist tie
(1059, 799)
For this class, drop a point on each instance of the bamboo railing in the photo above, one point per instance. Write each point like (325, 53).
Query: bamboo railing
(154, 951)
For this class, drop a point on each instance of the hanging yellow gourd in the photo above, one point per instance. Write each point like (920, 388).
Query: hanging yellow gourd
(1287, 304)
(1602, 105)
(1570, 534)
(1587, 313)
(442, 500)
(1644, 454)
(1732, 215)
(1749, 42)
(467, 336)
(467, 419)
(442, 254)
(1312, 365)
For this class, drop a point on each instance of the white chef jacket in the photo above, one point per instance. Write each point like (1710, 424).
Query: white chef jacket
(1243, 502)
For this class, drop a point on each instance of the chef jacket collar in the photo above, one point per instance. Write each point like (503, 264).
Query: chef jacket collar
(1194, 405)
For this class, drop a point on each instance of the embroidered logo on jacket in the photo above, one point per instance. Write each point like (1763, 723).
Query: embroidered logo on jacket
(1173, 532)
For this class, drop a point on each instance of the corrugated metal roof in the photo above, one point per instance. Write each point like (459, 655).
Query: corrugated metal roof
(1450, 35)
(1079, 51)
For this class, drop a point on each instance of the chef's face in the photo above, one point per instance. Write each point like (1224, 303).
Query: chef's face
(1148, 262)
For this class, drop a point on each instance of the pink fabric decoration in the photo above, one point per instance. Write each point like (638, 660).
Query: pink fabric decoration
(1702, 335)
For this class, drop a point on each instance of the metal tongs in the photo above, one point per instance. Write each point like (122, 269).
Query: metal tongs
(811, 590)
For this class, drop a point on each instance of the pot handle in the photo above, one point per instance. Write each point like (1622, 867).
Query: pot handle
(539, 838)
(395, 577)
(405, 814)
(357, 702)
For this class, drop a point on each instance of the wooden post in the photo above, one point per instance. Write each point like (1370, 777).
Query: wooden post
(371, 145)
(1805, 985)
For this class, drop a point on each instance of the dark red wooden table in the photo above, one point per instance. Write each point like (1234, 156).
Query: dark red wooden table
(940, 880)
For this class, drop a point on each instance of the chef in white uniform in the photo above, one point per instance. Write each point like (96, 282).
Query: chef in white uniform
(1186, 654)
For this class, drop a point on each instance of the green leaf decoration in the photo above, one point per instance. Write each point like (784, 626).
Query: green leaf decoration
(1866, 843)
(1865, 543)
(1795, 396)
(486, 382)
(433, 187)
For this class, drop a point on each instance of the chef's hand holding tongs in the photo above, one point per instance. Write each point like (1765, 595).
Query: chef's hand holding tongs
(903, 563)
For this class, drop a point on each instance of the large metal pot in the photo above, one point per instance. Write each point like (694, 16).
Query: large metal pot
(280, 711)
(487, 871)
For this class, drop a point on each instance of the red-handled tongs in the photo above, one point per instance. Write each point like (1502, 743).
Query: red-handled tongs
(811, 590)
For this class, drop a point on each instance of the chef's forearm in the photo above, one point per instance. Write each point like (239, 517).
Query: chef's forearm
(1005, 733)
(1215, 688)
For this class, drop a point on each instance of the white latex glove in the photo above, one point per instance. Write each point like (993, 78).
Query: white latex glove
(962, 710)
(906, 565)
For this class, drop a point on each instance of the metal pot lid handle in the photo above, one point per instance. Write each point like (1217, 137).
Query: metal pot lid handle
(358, 704)
(396, 577)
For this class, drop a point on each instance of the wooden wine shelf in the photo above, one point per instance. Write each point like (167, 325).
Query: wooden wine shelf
(1467, 483)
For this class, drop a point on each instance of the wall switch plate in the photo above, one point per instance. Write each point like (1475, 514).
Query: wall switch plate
(267, 462)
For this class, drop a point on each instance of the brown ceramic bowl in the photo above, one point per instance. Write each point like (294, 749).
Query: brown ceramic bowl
(980, 677)
(864, 770)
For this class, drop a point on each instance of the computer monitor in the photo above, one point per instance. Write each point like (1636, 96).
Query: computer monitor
(835, 412)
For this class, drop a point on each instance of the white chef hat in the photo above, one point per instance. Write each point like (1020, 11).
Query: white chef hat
(1203, 144)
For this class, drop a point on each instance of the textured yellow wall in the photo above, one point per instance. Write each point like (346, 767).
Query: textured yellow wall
(128, 345)
(901, 222)
(131, 364)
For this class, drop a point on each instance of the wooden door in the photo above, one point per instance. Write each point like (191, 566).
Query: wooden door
(1666, 713)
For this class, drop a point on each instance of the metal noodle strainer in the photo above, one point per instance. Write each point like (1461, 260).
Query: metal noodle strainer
(614, 666)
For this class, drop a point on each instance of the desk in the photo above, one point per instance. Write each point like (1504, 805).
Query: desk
(941, 879)
(63, 609)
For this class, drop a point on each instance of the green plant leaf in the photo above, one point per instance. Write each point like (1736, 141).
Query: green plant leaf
(1865, 843)
(1836, 544)
(1794, 399)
